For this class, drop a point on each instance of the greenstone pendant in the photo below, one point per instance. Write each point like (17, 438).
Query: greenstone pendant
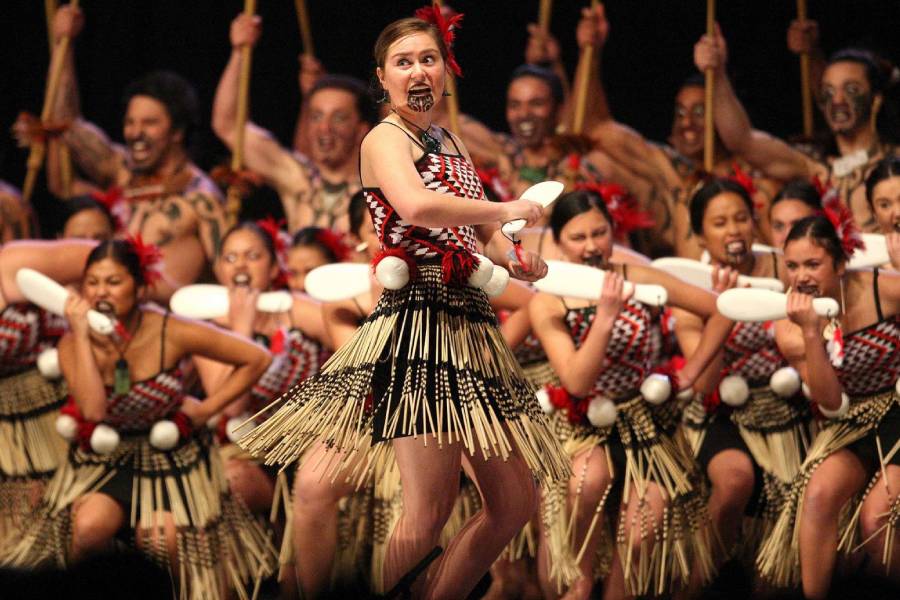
(121, 378)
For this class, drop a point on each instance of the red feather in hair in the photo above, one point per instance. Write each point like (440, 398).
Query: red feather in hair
(149, 255)
(743, 179)
(273, 228)
(432, 14)
(842, 219)
(622, 206)
(334, 241)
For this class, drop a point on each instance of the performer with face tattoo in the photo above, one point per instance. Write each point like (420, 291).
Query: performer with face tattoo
(315, 189)
(851, 94)
(168, 200)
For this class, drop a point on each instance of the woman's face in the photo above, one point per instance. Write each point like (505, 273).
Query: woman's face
(587, 239)
(300, 261)
(88, 224)
(244, 260)
(810, 269)
(886, 204)
(109, 288)
(783, 216)
(728, 230)
(413, 73)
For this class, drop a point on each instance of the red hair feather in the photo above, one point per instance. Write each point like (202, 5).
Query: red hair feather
(334, 241)
(842, 220)
(149, 256)
(432, 14)
(622, 206)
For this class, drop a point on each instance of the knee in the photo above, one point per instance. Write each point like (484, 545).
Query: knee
(429, 512)
(821, 501)
(93, 529)
(312, 491)
(515, 504)
(734, 484)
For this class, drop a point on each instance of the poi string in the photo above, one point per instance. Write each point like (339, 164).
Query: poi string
(233, 205)
(806, 92)
(709, 123)
(584, 70)
(38, 148)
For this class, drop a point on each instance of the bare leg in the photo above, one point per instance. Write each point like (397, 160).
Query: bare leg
(837, 479)
(151, 537)
(315, 521)
(251, 484)
(430, 482)
(872, 519)
(95, 520)
(509, 499)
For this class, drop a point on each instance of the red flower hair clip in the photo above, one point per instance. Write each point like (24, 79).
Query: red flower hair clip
(742, 178)
(842, 220)
(623, 207)
(432, 14)
(149, 256)
(334, 241)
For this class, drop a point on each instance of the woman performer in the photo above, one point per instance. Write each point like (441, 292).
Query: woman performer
(799, 198)
(86, 218)
(443, 382)
(312, 247)
(883, 195)
(122, 389)
(626, 448)
(30, 448)
(853, 384)
(749, 436)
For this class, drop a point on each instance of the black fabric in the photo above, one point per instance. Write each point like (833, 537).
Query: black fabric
(722, 434)
(888, 431)
(877, 297)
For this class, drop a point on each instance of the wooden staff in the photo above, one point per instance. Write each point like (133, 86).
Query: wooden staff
(453, 98)
(544, 12)
(65, 158)
(805, 91)
(233, 205)
(305, 31)
(38, 147)
(709, 137)
(584, 68)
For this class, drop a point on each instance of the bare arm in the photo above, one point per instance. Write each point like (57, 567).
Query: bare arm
(62, 261)
(210, 222)
(341, 320)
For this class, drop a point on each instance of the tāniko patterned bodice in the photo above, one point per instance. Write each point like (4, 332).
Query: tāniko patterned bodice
(148, 401)
(751, 352)
(629, 353)
(448, 174)
(294, 358)
(871, 358)
(25, 332)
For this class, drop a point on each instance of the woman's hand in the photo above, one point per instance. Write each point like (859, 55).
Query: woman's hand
(195, 411)
(75, 311)
(531, 268)
(530, 211)
(612, 297)
(892, 240)
(242, 309)
(723, 278)
(800, 311)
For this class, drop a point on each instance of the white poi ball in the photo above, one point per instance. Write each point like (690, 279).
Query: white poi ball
(785, 382)
(656, 388)
(67, 427)
(685, 395)
(104, 439)
(840, 411)
(734, 391)
(543, 398)
(497, 283)
(601, 412)
(392, 272)
(213, 421)
(233, 428)
(164, 435)
(48, 364)
(482, 275)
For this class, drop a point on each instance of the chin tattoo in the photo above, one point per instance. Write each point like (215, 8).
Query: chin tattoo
(420, 102)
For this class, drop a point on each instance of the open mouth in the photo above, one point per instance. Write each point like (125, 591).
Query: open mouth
(420, 98)
(690, 135)
(808, 289)
(526, 128)
(595, 260)
(326, 144)
(841, 115)
(897, 226)
(736, 249)
(241, 279)
(140, 149)
(104, 307)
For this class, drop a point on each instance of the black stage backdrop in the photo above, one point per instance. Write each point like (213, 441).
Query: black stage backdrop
(650, 50)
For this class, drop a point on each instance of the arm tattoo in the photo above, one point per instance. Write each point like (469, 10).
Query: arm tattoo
(211, 219)
(94, 153)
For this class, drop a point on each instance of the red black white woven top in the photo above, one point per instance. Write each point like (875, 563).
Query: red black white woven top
(751, 352)
(25, 332)
(294, 358)
(446, 173)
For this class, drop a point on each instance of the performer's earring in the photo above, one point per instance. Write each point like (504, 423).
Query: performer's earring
(385, 98)
(446, 93)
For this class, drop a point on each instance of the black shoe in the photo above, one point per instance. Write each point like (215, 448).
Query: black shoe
(403, 589)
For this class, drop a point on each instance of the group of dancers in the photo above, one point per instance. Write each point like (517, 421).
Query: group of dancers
(627, 437)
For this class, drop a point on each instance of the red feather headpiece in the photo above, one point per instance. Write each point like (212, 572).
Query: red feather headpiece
(111, 199)
(334, 241)
(842, 219)
(149, 256)
(432, 14)
(743, 179)
(622, 207)
(280, 240)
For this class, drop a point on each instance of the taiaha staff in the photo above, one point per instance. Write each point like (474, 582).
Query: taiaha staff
(452, 98)
(237, 155)
(544, 12)
(65, 159)
(584, 69)
(38, 147)
(709, 134)
(305, 31)
(805, 91)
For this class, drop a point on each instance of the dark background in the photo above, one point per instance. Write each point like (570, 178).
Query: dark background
(648, 53)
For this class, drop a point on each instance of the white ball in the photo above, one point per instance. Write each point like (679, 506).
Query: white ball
(48, 363)
(213, 422)
(392, 272)
(105, 439)
(482, 275)
(656, 388)
(840, 411)
(164, 435)
(543, 399)
(498, 282)
(685, 395)
(734, 391)
(806, 391)
(785, 382)
(67, 427)
(233, 428)
(602, 412)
